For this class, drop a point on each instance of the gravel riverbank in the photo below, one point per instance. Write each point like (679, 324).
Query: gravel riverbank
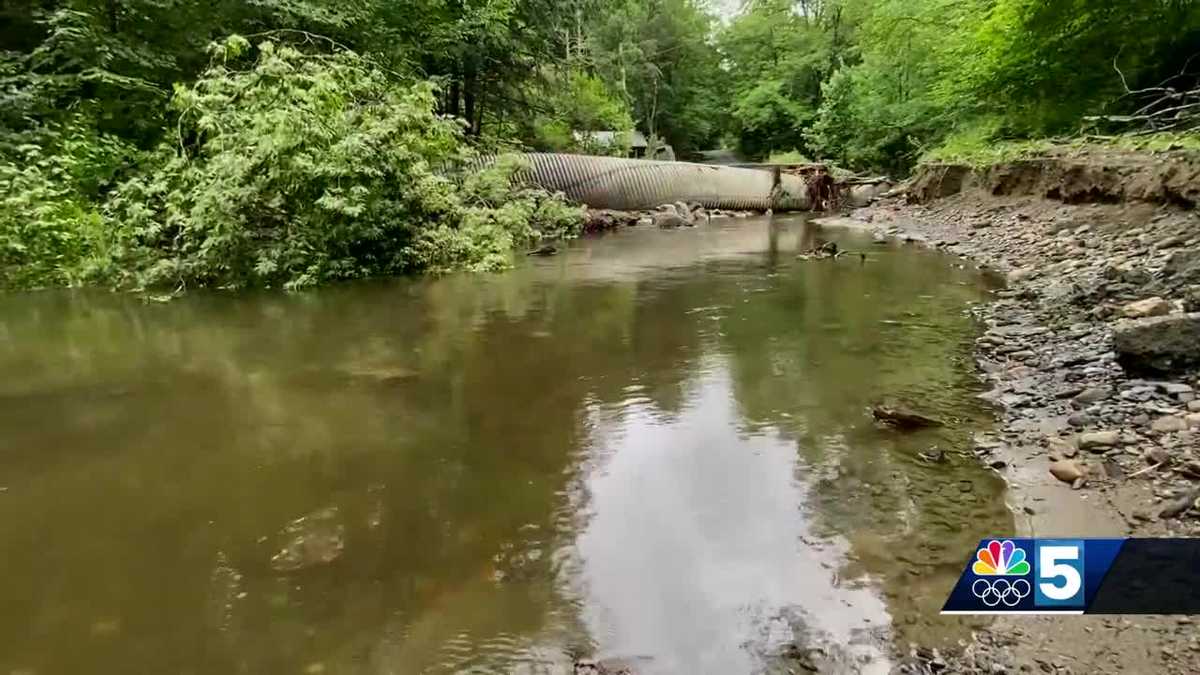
(1090, 360)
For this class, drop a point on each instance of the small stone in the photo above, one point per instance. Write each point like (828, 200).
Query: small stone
(1192, 420)
(1167, 424)
(1021, 274)
(1145, 308)
(1193, 406)
(1099, 439)
(1079, 420)
(1061, 447)
(1066, 470)
(645, 221)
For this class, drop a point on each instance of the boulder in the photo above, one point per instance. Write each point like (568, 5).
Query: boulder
(863, 195)
(1183, 266)
(1144, 308)
(1159, 344)
(685, 212)
(669, 219)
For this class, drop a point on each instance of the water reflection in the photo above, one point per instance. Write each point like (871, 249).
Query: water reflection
(652, 447)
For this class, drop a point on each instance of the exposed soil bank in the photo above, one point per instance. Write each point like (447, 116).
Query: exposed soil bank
(1075, 177)
(1085, 242)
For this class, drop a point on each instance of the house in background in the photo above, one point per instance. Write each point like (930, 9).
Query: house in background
(639, 147)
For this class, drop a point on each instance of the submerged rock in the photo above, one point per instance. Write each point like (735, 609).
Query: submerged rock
(1158, 344)
(903, 419)
(312, 540)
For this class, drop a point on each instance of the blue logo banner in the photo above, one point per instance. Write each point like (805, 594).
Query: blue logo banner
(1017, 575)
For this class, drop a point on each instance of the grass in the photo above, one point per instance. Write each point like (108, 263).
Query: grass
(978, 148)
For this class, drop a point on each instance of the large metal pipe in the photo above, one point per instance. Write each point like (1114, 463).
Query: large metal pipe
(631, 184)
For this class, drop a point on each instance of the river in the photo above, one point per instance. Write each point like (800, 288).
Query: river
(652, 449)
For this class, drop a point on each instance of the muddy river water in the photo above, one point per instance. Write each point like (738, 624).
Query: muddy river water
(653, 449)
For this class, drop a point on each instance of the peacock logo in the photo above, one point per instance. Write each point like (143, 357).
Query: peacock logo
(1000, 559)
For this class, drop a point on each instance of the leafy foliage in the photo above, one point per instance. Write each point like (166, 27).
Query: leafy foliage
(896, 79)
(285, 168)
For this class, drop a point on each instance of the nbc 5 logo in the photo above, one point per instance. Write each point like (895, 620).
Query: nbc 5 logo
(1059, 565)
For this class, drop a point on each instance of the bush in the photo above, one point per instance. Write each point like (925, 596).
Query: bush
(298, 169)
(51, 231)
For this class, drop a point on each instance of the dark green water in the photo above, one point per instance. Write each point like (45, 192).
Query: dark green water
(653, 447)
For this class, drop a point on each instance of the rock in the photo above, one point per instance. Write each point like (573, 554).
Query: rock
(1158, 344)
(685, 212)
(1180, 505)
(1193, 406)
(645, 221)
(1192, 420)
(1144, 308)
(1021, 274)
(862, 195)
(1167, 424)
(602, 220)
(1183, 265)
(1157, 455)
(1174, 388)
(669, 220)
(1093, 395)
(1079, 420)
(1067, 470)
(1061, 447)
(312, 540)
(1191, 299)
(1099, 441)
(903, 419)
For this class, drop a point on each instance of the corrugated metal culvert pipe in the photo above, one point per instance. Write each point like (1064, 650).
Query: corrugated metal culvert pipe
(632, 184)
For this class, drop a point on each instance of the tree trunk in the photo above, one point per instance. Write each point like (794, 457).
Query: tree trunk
(477, 124)
(454, 95)
(470, 83)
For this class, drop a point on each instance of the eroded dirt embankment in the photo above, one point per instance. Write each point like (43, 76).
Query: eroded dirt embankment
(1093, 355)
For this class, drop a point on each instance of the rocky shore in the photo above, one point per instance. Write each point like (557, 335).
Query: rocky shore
(666, 216)
(1092, 354)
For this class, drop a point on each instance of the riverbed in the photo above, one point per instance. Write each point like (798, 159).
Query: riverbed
(653, 449)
